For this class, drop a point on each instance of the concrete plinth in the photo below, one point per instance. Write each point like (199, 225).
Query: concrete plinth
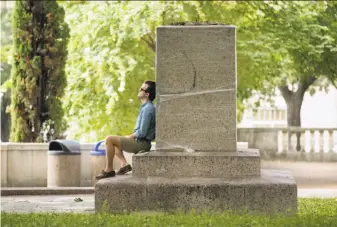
(196, 114)
(196, 88)
(203, 164)
(272, 192)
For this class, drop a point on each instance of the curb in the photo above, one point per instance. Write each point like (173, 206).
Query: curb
(13, 191)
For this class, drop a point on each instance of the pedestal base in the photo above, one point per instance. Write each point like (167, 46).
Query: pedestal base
(245, 162)
(272, 192)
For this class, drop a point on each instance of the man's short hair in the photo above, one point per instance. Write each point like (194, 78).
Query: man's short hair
(151, 89)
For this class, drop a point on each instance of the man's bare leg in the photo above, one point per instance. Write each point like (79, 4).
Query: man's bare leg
(119, 154)
(111, 142)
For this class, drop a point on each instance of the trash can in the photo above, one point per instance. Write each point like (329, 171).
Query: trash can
(98, 161)
(64, 164)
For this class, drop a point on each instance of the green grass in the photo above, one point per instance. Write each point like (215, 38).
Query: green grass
(311, 212)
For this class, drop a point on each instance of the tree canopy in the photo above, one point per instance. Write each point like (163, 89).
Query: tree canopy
(112, 52)
(302, 49)
(280, 44)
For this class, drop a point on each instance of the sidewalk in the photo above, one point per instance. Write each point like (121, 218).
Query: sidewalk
(48, 203)
(66, 203)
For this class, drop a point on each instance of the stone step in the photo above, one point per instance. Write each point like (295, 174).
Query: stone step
(271, 192)
(193, 164)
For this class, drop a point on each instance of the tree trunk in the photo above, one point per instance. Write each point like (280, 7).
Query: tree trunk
(294, 100)
(294, 104)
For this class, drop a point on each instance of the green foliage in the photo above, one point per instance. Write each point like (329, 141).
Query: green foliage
(329, 56)
(297, 40)
(39, 54)
(112, 51)
(311, 212)
(6, 39)
(6, 46)
(6, 49)
(300, 49)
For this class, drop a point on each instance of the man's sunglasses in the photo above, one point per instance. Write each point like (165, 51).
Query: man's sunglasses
(141, 89)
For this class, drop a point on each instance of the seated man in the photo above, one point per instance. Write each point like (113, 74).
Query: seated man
(144, 133)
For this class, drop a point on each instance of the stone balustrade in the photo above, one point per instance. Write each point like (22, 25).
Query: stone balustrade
(25, 164)
(292, 143)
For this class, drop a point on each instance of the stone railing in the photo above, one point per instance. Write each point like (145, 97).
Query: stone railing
(264, 117)
(25, 164)
(270, 114)
(310, 144)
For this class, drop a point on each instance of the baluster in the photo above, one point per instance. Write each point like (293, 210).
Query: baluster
(290, 133)
(302, 140)
(312, 140)
(298, 139)
(284, 117)
(321, 140)
(279, 141)
(284, 140)
(264, 115)
(258, 115)
(330, 140)
(274, 115)
(306, 143)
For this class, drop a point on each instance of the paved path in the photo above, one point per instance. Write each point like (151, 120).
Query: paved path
(48, 203)
(66, 203)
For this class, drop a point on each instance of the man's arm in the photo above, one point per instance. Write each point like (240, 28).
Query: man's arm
(144, 124)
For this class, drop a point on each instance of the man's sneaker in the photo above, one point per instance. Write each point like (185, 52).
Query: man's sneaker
(104, 174)
(124, 169)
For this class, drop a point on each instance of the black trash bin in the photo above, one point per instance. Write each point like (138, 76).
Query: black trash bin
(64, 164)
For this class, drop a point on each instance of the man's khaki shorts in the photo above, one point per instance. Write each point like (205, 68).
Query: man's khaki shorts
(134, 146)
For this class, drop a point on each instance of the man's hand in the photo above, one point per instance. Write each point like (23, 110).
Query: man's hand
(132, 136)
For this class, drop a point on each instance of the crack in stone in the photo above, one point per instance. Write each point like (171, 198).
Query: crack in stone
(194, 71)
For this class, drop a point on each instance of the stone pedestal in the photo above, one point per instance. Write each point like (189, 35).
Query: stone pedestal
(271, 192)
(197, 164)
(196, 88)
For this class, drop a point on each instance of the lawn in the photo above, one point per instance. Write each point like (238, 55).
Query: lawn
(311, 212)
